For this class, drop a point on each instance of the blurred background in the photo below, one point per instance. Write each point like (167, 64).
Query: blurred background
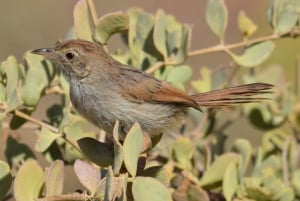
(31, 24)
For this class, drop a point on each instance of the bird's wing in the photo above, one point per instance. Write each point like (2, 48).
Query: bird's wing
(140, 87)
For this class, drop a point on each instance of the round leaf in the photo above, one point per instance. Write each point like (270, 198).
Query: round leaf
(55, 178)
(179, 75)
(45, 138)
(88, 175)
(149, 189)
(29, 181)
(254, 54)
(159, 33)
(98, 152)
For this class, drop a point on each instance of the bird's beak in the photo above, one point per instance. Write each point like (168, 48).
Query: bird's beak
(42, 51)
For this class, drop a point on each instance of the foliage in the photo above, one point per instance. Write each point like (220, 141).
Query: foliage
(190, 164)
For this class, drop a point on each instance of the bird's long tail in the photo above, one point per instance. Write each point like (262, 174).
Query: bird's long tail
(234, 95)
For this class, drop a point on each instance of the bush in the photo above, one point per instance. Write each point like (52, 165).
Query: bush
(189, 164)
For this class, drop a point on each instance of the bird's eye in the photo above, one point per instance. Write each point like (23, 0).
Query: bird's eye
(69, 55)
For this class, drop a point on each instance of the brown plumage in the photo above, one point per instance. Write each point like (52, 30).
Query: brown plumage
(104, 90)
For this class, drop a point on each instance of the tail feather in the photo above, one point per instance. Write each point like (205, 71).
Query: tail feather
(234, 95)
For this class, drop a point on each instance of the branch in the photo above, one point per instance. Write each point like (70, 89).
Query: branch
(224, 47)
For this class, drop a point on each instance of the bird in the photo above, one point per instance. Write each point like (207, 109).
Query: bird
(104, 90)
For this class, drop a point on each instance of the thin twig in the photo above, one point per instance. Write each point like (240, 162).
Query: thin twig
(224, 47)
(93, 12)
(284, 160)
(35, 121)
(43, 124)
(155, 67)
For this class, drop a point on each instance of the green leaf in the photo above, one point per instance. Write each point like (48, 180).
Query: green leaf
(205, 83)
(287, 20)
(244, 148)
(140, 39)
(55, 178)
(183, 151)
(246, 25)
(82, 27)
(118, 150)
(179, 75)
(216, 171)
(230, 181)
(158, 172)
(5, 179)
(45, 138)
(149, 189)
(132, 148)
(89, 175)
(110, 24)
(195, 193)
(12, 73)
(217, 17)
(37, 78)
(177, 39)
(159, 33)
(29, 181)
(98, 152)
(254, 54)
(295, 181)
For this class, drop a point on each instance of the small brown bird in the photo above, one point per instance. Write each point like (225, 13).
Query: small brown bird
(104, 90)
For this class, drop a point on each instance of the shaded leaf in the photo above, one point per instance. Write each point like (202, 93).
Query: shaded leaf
(88, 175)
(195, 193)
(82, 27)
(159, 33)
(217, 17)
(29, 181)
(55, 178)
(254, 54)
(132, 148)
(155, 190)
(110, 24)
(11, 68)
(98, 152)
(5, 179)
(16, 152)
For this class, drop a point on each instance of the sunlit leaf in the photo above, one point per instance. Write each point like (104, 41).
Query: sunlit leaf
(45, 138)
(205, 83)
(244, 148)
(179, 75)
(216, 171)
(230, 181)
(183, 151)
(110, 24)
(82, 27)
(132, 148)
(118, 150)
(246, 25)
(155, 190)
(29, 181)
(55, 178)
